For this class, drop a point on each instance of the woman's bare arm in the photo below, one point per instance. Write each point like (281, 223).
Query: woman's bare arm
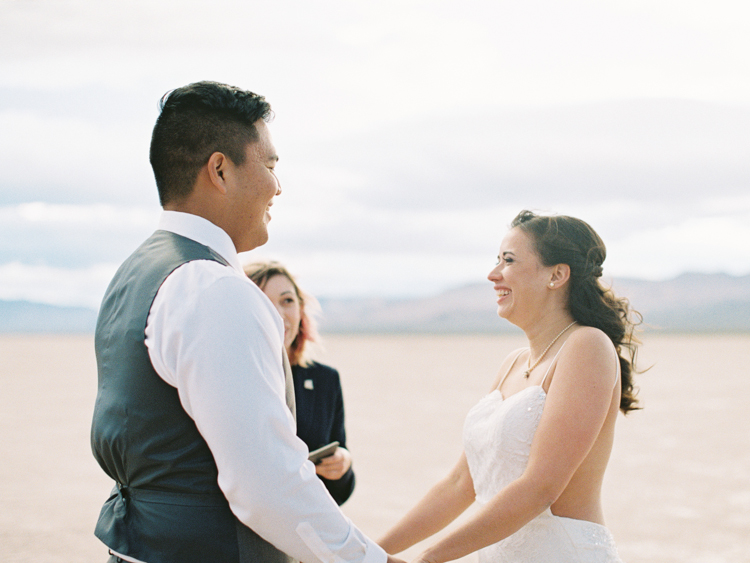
(576, 406)
(439, 507)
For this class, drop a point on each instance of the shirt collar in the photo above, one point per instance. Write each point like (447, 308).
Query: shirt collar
(203, 231)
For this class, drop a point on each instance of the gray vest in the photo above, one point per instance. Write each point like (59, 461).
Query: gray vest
(166, 506)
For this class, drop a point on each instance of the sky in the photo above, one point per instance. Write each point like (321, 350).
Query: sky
(410, 133)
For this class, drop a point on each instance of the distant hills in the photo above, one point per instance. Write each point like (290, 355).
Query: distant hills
(25, 316)
(692, 303)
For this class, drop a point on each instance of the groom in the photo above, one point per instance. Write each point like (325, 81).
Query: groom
(192, 420)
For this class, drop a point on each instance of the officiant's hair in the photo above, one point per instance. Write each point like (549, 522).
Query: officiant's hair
(196, 121)
(560, 239)
(262, 271)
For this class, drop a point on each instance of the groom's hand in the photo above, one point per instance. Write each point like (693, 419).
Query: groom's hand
(392, 559)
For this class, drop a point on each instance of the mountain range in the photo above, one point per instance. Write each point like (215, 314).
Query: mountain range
(689, 303)
(694, 303)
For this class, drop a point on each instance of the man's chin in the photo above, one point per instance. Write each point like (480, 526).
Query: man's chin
(258, 239)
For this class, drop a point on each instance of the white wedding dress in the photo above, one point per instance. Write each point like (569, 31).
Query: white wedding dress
(497, 442)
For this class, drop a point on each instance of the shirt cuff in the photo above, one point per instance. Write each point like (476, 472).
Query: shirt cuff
(374, 553)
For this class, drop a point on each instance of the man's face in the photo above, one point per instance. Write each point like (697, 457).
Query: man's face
(251, 192)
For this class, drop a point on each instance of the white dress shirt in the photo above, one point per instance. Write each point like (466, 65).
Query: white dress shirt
(215, 336)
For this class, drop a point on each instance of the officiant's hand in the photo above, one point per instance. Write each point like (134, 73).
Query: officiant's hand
(334, 466)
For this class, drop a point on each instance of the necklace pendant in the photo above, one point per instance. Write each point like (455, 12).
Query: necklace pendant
(526, 374)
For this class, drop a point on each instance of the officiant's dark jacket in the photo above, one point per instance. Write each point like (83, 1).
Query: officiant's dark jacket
(166, 506)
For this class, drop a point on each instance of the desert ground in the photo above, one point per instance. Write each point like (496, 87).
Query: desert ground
(677, 488)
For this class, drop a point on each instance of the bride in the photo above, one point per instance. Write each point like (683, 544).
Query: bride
(536, 447)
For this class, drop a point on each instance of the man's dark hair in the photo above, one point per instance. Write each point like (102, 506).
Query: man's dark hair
(196, 121)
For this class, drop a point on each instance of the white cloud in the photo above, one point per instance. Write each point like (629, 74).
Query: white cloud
(332, 273)
(396, 252)
(411, 131)
(421, 54)
(408, 254)
(72, 236)
(706, 244)
(56, 286)
(60, 158)
(93, 215)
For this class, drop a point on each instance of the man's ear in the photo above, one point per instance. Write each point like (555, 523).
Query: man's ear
(217, 168)
(560, 274)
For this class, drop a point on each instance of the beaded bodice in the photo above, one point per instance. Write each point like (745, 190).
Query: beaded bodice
(497, 438)
(498, 434)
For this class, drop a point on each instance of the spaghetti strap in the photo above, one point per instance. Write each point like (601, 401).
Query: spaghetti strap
(510, 367)
(552, 364)
(619, 370)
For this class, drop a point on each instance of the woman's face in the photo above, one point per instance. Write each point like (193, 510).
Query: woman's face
(520, 279)
(282, 294)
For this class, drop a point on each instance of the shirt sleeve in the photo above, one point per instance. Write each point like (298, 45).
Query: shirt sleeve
(218, 340)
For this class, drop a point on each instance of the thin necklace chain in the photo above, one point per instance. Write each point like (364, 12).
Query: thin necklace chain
(539, 359)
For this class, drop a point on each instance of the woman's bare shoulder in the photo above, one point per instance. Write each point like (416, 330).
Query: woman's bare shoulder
(589, 350)
(591, 338)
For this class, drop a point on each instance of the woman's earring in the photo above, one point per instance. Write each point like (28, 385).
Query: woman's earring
(552, 284)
